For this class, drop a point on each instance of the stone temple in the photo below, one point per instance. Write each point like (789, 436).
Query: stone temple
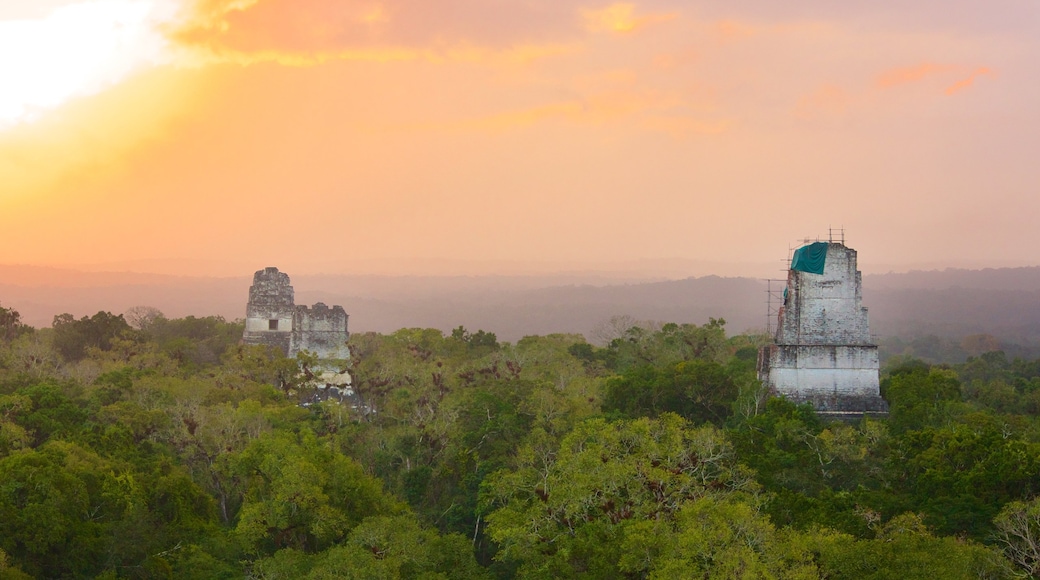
(823, 353)
(274, 319)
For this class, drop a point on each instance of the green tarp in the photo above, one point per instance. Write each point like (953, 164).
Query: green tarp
(811, 258)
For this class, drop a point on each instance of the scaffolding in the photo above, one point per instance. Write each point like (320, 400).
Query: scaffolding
(834, 236)
(775, 287)
(774, 301)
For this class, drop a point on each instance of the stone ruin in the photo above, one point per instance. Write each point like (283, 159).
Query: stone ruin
(823, 352)
(273, 319)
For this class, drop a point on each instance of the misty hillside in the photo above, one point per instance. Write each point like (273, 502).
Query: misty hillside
(1027, 279)
(1002, 302)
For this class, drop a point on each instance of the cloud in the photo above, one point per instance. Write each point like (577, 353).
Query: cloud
(911, 74)
(917, 73)
(342, 27)
(620, 17)
(968, 81)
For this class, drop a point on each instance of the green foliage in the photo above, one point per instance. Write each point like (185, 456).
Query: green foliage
(50, 412)
(64, 510)
(904, 548)
(301, 494)
(72, 338)
(701, 391)
(446, 415)
(9, 572)
(725, 538)
(170, 451)
(921, 398)
(380, 547)
(817, 473)
(12, 434)
(11, 326)
(960, 476)
(258, 364)
(478, 340)
(194, 341)
(1018, 535)
(673, 343)
(774, 443)
(45, 510)
(571, 509)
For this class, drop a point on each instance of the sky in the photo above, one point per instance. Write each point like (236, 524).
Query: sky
(516, 136)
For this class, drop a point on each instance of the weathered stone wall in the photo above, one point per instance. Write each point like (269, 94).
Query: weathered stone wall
(320, 330)
(823, 353)
(269, 313)
(273, 319)
(826, 308)
(841, 369)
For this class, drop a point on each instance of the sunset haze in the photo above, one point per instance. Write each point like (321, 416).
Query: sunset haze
(470, 137)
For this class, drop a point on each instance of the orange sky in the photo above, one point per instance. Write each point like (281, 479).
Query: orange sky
(467, 136)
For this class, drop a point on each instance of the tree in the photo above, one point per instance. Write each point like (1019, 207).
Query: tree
(52, 509)
(573, 508)
(904, 548)
(816, 473)
(7, 572)
(380, 547)
(12, 435)
(477, 340)
(920, 398)
(701, 391)
(142, 317)
(722, 538)
(959, 477)
(52, 413)
(191, 341)
(668, 345)
(73, 337)
(11, 326)
(299, 493)
(29, 359)
(617, 327)
(1018, 535)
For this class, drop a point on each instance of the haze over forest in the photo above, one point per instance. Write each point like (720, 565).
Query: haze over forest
(950, 304)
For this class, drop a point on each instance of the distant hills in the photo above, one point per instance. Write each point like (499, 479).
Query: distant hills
(1004, 302)
(952, 303)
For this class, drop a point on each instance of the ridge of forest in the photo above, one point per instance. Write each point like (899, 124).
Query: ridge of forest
(142, 446)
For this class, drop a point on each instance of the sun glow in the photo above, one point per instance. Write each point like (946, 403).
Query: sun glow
(76, 49)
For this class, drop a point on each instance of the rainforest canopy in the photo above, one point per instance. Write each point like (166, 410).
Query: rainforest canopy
(810, 258)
